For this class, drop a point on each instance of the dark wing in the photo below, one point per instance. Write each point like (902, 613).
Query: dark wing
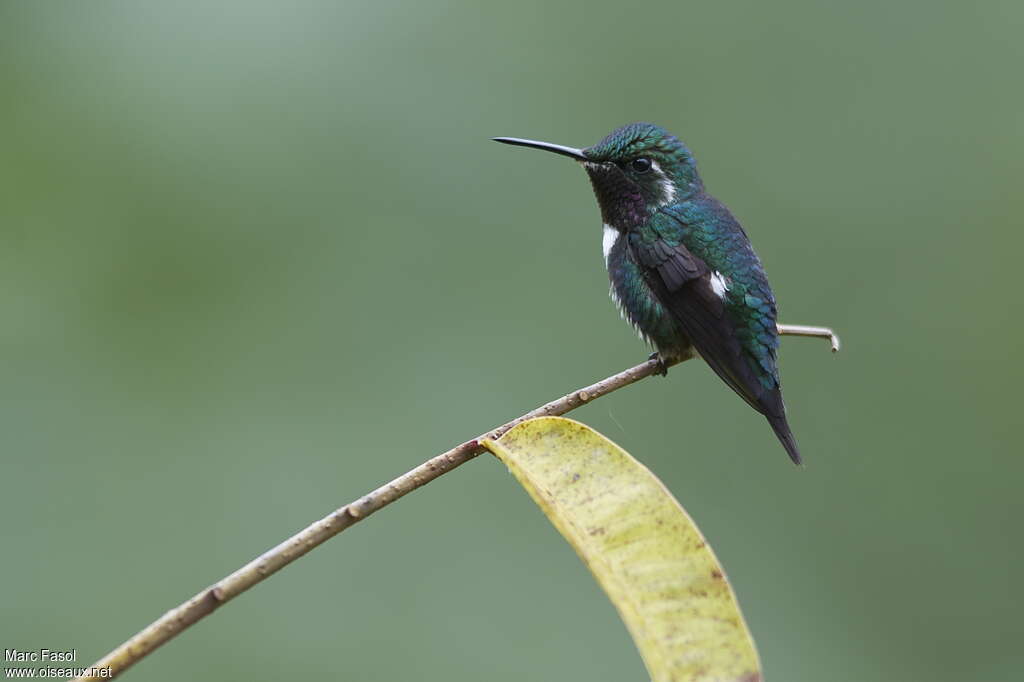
(736, 335)
(673, 263)
(682, 282)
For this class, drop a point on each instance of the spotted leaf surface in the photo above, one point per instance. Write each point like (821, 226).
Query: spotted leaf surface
(640, 545)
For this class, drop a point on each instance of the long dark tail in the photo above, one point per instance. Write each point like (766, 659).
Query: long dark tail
(781, 428)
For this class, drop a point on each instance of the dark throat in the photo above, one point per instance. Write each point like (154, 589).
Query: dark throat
(622, 203)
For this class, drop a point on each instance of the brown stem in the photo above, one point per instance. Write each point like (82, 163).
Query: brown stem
(262, 567)
(804, 330)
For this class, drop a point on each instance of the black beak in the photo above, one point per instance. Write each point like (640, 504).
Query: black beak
(571, 152)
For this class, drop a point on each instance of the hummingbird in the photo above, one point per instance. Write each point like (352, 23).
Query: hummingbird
(682, 271)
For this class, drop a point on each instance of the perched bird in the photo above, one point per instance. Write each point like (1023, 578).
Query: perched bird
(682, 269)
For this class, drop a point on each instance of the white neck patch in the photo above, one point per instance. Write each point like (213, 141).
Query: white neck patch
(608, 239)
(668, 188)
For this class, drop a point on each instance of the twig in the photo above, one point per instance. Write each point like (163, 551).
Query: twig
(803, 330)
(262, 567)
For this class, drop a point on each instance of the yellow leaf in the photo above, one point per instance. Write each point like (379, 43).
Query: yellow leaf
(641, 546)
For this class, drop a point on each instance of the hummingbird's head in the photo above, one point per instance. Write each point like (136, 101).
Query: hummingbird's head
(635, 170)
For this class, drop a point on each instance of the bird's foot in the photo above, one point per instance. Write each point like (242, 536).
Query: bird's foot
(662, 365)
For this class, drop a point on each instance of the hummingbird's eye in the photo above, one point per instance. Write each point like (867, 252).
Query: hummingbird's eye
(641, 165)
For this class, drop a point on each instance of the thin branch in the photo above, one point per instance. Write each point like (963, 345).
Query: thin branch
(803, 330)
(262, 567)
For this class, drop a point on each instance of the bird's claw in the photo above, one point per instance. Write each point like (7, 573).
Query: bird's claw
(662, 366)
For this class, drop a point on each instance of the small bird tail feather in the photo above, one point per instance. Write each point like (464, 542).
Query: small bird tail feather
(781, 428)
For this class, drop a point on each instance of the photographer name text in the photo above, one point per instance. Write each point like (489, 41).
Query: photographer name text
(40, 655)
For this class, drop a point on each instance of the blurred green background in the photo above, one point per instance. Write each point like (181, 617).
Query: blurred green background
(258, 258)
